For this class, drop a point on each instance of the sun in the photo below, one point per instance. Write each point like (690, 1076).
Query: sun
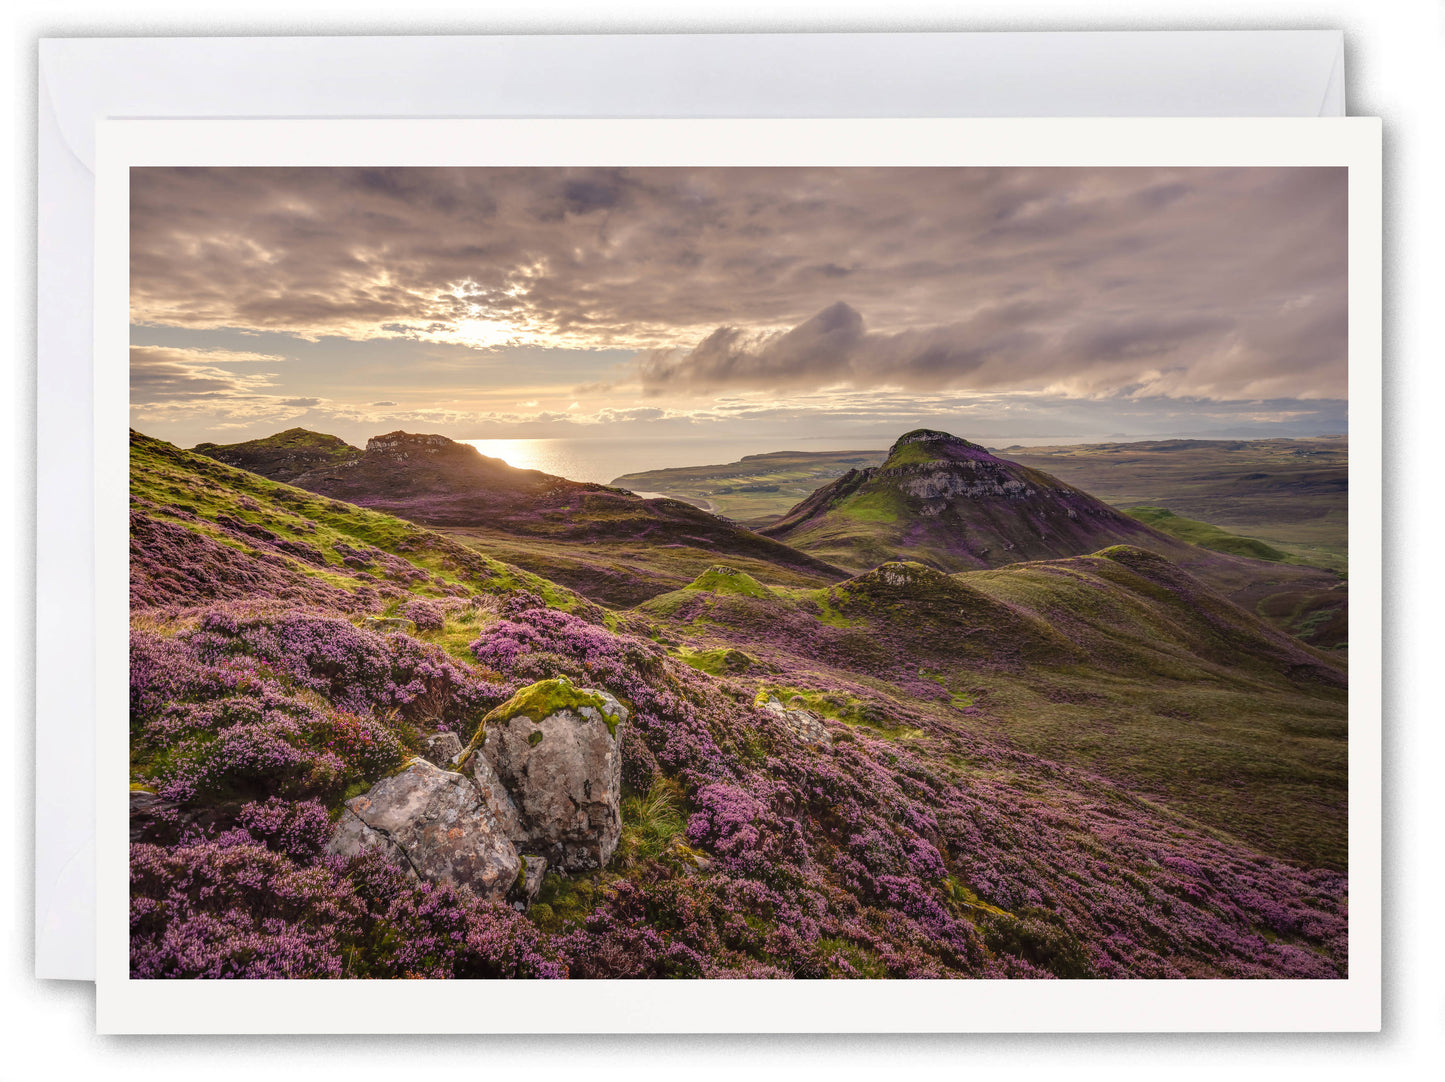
(483, 333)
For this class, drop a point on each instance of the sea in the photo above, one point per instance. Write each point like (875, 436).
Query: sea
(602, 459)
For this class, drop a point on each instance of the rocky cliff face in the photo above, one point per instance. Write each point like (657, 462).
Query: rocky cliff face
(404, 444)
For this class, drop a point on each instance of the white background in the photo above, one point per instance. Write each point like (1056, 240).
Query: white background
(1395, 50)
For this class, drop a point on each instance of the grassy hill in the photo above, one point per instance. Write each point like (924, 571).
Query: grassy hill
(944, 501)
(603, 542)
(204, 531)
(1119, 663)
(283, 456)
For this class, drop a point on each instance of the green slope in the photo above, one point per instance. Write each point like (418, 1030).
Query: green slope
(1119, 662)
(1208, 536)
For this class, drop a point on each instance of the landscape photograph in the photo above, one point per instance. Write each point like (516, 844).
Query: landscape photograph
(739, 573)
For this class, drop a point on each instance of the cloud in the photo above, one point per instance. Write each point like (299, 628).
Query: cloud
(1016, 348)
(162, 375)
(608, 415)
(1089, 281)
(383, 403)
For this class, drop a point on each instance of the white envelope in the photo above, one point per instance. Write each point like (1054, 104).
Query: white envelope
(1189, 73)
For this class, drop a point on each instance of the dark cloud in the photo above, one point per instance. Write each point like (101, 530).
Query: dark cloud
(833, 348)
(1221, 283)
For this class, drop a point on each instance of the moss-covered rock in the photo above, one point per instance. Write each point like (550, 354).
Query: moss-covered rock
(556, 749)
(543, 699)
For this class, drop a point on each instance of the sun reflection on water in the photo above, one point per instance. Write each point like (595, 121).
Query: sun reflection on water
(554, 456)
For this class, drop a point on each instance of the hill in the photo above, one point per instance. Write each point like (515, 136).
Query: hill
(284, 456)
(604, 542)
(952, 504)
(202, 531)
(955, 506)
(1118, 662)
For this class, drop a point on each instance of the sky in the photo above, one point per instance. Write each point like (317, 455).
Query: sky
(1002, 304)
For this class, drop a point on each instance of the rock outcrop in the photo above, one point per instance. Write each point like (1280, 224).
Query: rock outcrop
(285, 455)
(435, 823)
(805, 724)
(557, 749)
(543, 775)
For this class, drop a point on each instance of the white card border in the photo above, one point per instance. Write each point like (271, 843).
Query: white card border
(128, 1006)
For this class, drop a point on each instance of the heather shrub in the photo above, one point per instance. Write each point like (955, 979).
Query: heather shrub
(352, 668)
(431, 930)
(426, 615)
(1039, 938)
(267, 742)
(251, 704)
(171, 564)
(906, 850)
(227, 908)
(299, 829)
(619, 940)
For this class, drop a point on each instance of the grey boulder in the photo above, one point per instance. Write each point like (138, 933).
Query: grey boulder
(558, 750)
(436, 824)
(498, 800)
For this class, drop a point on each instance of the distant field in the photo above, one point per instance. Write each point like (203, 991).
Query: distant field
(1208, 536)
(1291, 494)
